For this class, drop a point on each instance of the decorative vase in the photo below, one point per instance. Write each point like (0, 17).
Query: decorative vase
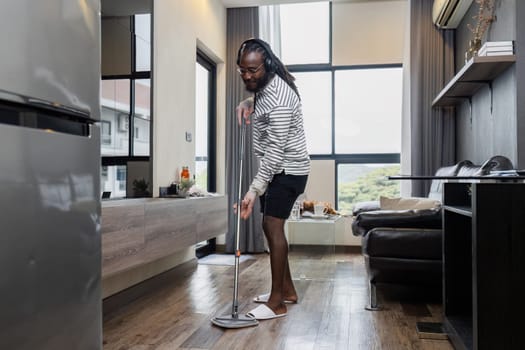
(473, 47)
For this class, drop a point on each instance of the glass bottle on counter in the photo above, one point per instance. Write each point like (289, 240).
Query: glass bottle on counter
(185, 173)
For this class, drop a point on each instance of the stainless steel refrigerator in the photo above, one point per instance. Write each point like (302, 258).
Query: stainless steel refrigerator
(50, 246)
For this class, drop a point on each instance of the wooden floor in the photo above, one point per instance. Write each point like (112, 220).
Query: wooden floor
(330, 314)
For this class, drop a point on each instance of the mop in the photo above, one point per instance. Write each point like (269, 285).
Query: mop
(235, 320)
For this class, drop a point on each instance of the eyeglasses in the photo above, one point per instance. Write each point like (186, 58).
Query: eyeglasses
(243, 71)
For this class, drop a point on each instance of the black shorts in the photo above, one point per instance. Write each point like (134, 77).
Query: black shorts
(281, 194)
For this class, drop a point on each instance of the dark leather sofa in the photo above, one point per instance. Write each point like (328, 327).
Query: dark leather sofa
(405, 246)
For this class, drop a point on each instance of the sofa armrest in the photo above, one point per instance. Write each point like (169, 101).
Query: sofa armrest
(403, 243)
(361, 207)
(424, 218)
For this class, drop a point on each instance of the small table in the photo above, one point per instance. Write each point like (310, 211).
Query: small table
(314, 231)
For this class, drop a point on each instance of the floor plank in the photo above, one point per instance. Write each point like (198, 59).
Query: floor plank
(332, 288)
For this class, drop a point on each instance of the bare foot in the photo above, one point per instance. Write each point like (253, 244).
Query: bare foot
(278, 309)
(291, 299)
(264, 298)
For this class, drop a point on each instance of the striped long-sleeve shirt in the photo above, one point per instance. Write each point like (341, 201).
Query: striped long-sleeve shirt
(278, 134)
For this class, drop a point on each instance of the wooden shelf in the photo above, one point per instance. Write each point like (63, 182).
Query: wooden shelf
(475, 74)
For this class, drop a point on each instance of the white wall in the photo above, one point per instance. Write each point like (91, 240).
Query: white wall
(179, 28)
(368, 32)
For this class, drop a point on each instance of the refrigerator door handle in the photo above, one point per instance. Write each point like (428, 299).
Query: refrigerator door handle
(44, 115)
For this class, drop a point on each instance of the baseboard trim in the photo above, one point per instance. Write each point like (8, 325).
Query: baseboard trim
(350, 249)
(340, 249)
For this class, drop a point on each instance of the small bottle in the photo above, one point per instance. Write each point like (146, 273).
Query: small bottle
(296, 213)
(185, 173)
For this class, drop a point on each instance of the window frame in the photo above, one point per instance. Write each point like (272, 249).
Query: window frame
(344, 158)
(209, 65)
(132, 77)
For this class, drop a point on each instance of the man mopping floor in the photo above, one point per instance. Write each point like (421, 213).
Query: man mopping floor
(280, 144)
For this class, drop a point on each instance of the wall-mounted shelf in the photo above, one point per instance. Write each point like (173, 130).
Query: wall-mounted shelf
(476, 73)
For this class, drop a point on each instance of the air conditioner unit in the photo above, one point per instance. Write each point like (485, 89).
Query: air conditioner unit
(447, 14)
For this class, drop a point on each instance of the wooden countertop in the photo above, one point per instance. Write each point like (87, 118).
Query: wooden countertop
(136, 231)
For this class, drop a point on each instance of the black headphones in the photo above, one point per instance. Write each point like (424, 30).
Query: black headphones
(269, 65)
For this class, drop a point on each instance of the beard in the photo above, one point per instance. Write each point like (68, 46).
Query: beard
(256, 85)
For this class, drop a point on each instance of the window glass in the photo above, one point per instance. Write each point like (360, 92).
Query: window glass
(315, 89)
(142, 118)
(368, 110)
(365, 182)
(113, 179)
(105, 131)
(305, 33)
(202, 89)
(115, 101)
(126, 105)
(142, 42)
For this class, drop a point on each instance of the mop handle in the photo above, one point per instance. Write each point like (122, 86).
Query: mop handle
(238, 229)
(239, 192)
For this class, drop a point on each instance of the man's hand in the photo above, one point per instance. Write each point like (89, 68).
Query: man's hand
(247, 204)
(244, 110)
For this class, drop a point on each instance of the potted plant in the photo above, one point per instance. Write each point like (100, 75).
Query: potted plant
(185, 185)
(140, 188)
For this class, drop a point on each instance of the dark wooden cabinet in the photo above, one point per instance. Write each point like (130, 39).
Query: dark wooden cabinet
(484, 264)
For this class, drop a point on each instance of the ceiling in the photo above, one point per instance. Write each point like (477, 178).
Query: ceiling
(247, 3)
(125, 7)
(131, 7)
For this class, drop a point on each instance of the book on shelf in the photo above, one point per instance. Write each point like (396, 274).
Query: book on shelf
(495, 53)
(506, 53)
(498, 43)
(496, 48)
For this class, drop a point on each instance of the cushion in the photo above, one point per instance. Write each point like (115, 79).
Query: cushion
(360, 207)
(411, 203)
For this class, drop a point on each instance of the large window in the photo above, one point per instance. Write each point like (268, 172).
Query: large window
(358, 182)
(368, 110)
(125, 99)
(205, 131)
(205, 99)
(142, 31)
(142, 117)
(352, 114)
(116, 110)
(316, 96)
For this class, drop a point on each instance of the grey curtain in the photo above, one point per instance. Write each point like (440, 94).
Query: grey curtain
(243, 23)
(431, 67)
